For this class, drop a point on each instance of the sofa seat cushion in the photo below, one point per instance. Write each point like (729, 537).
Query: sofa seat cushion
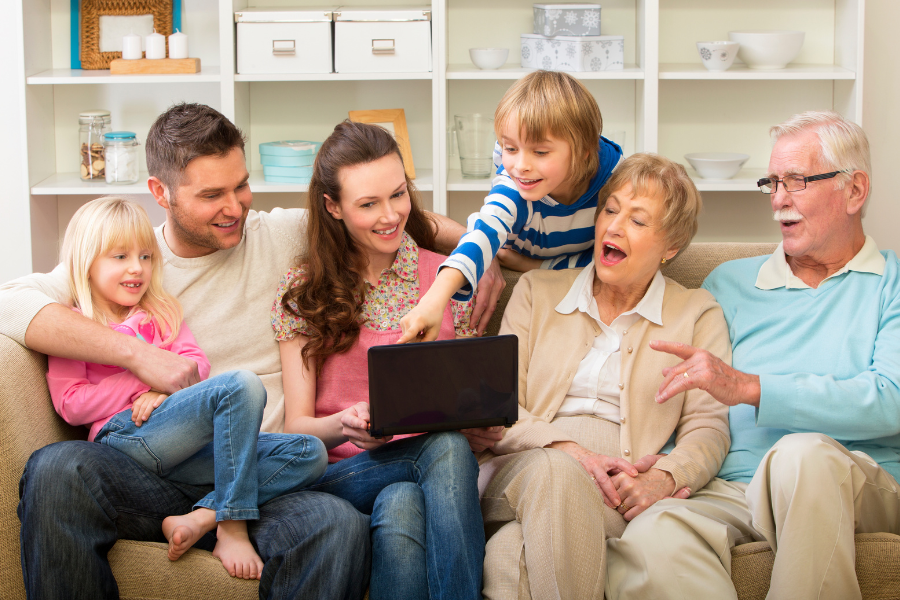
(144, 571)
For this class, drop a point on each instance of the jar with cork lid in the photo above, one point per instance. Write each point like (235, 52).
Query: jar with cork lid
(92, 124)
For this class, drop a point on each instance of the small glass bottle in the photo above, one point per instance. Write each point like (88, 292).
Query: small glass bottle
(92, 124)
(121, 157)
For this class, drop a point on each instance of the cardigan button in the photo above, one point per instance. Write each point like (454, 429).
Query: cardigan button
(621, 386)
(627, 452)
(623, 420)
(630, 349)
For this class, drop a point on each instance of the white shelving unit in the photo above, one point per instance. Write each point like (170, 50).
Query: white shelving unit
(664, 100)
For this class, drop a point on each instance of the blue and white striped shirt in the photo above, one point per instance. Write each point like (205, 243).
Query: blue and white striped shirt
(562, 235)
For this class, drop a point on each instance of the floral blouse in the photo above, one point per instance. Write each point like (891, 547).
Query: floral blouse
(386, 302)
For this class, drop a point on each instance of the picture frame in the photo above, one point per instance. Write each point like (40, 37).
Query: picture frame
(86, 26)
(394, 120)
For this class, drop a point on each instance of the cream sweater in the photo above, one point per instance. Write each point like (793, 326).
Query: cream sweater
(227, 297)
(551, 345)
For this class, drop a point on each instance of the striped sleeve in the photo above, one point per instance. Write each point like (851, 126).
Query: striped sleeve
(504, 212)
(569, 261)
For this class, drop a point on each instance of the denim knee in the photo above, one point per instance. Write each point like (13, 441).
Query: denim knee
(453, 447)
(250, 387)
(56, 466)
(401, 502)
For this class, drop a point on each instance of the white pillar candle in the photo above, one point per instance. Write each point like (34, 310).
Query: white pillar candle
(178, 45)
(156, 46)
(131, 47)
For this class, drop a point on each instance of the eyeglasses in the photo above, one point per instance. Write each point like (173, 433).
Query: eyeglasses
(791, 183)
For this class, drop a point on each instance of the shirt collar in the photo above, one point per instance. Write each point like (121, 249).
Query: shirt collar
(776, 272)
(406, 263)
(581, 297)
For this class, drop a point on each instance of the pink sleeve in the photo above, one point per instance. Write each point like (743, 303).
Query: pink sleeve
(185, 345)
(81, 402)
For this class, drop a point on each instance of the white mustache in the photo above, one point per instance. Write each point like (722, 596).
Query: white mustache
(787, 214)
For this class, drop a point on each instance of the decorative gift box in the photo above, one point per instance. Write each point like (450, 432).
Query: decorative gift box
(382, 40)
(284, 40)
(573, 53)
(567, 19)
(288, 161)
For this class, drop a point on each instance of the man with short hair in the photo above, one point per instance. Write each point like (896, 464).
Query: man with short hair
(814, 391)
(223, 261)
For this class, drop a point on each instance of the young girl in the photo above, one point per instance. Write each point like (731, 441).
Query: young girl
(539, 212)
(201, 435)
(367, 262)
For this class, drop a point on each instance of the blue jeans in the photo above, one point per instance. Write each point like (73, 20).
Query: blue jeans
(209, 434)
(78, 498)
(427, 531)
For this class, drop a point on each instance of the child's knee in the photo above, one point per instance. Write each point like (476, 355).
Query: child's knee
(248, 386)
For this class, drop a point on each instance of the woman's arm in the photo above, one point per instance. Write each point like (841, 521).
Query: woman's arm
(300, 397)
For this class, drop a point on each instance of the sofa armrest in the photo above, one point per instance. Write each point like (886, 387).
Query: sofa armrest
(27, 422)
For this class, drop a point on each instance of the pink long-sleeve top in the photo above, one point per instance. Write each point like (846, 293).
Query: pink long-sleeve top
(89, 394)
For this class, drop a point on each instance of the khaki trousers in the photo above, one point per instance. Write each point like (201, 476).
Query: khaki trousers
(808, 499)
(546, 520)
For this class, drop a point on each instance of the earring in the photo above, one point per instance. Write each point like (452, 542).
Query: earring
(663, 261)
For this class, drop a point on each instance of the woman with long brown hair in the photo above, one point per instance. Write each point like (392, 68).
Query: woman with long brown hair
(369, 258)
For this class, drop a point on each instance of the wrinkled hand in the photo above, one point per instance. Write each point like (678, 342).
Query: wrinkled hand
(354, 422)
(490, 287)
(482, 438)
(162, 370)
(422, 323)
(146, 404)
(702, 370)
(512, 260)
(598, 467)
(646, 489)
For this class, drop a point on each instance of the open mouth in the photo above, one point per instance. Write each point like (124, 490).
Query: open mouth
(612, 254)
(387, 232)
(528, 183)
(227, 225)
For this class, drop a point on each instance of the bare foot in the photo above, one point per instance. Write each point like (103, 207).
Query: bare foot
(183, 531)
(236, 552)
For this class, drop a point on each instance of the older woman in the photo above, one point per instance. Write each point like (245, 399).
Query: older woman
(592, 449)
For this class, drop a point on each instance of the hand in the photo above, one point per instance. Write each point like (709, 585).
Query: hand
(489, 289)
(162, 370)
(702, 370)
(598, 467)
(354, 422)
(512, 260)
(482, 438)
(422, 323)
(646, 489)
(145, 404)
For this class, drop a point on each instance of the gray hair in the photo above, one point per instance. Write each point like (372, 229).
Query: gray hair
(843, 144)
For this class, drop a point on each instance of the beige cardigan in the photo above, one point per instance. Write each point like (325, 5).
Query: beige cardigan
(551, 346)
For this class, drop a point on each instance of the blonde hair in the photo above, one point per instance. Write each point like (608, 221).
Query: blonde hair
(104, 224)
(652, 175)
(555, 103)
(843, 144)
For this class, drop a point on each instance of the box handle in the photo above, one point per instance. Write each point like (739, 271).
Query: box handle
(284, 47)
(383, 46)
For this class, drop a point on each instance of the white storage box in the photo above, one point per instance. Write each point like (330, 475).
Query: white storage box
(567, 19)
(573, 53)
(382, 40)
(283, 40)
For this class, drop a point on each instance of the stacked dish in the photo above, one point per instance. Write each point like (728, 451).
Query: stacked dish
(288, 161)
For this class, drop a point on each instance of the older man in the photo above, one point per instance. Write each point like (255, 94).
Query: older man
(815, 417)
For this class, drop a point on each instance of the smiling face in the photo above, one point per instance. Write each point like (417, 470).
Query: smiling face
(629, 243)
(374, 206)
(539, 168)
(812, 220)
(119, 278)
(208, 211)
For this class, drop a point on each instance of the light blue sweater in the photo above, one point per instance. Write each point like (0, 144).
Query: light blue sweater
(828, 361)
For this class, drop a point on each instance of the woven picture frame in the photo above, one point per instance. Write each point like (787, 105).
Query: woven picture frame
(92, 10)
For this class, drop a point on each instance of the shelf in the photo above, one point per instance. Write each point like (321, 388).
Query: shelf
(792, 72)
(258, 185)
(66, 184)
(467, 71)
(103, 76)
(744, 181)
(457, 183)
(330, 76)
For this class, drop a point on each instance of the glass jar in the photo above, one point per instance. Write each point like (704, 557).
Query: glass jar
(121, 157)
(92, 124)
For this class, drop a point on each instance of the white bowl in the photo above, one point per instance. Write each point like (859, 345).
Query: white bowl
(717, 56)
(768, 49)
(488, 58)
(717, 165)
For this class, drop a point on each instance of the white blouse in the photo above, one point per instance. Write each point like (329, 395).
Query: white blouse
(596, 387)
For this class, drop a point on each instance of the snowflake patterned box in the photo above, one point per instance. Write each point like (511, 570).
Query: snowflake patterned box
(567, 19)
(573, 53)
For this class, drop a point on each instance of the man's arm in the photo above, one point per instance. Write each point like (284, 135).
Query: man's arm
(447, 233)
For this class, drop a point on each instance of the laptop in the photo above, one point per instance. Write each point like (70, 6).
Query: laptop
(444, 385)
